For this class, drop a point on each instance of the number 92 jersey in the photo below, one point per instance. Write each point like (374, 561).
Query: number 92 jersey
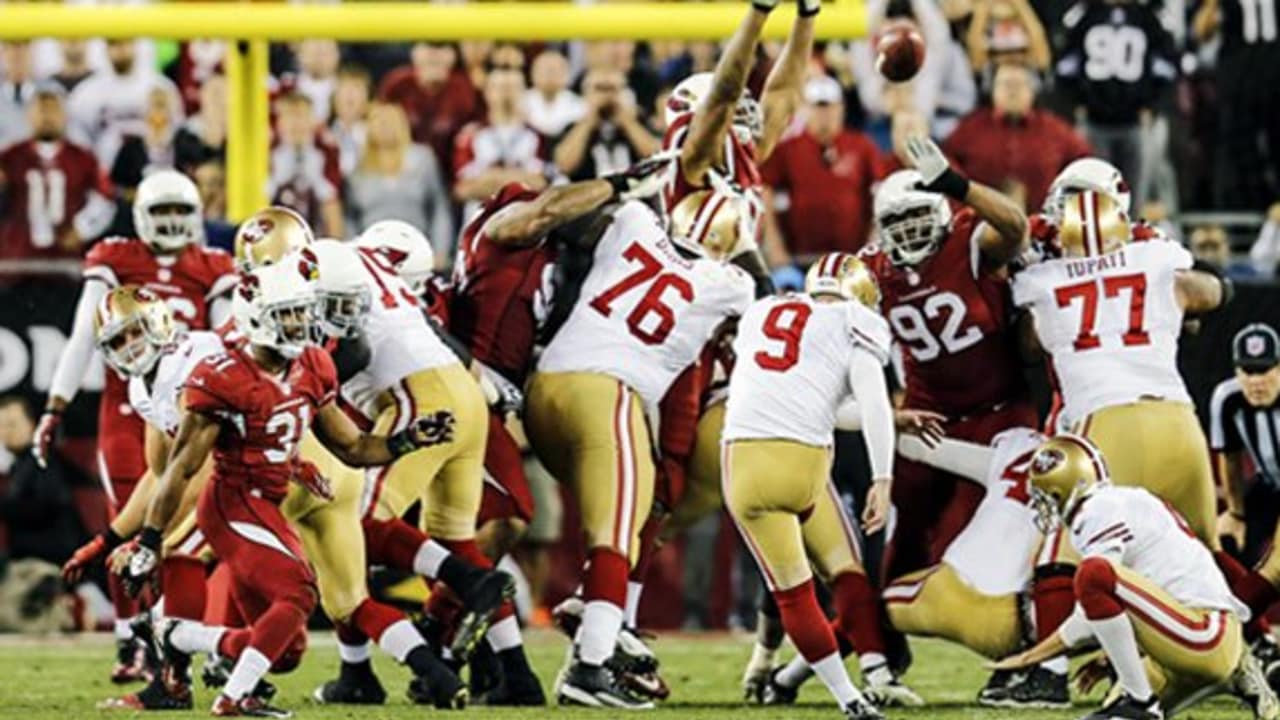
(645, 310)
(1111, 323)
(952, 322)
(262, 417)
(792, 370)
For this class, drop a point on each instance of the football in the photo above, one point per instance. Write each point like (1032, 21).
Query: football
(899, 50)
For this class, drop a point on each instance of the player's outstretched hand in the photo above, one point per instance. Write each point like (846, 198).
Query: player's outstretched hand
(808, 8)
(935, 172)
(307, 475)
(46, 431)
(1012, 662)
(433, 429)
(1093, 672)
(136, 564)
(875, 513)
(644, 179)
(85, 557)
(922, 423)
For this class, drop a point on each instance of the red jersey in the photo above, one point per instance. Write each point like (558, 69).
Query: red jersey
(45, 186)
(501, 294)
(952, 321)
(435, 115)
(740, 165)
(262, 417)
(187, 281)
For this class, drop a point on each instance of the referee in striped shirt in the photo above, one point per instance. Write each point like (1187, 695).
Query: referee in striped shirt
(1244, 418)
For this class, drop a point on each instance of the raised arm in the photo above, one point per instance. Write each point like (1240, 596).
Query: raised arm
(1201, 291)
(783, 89)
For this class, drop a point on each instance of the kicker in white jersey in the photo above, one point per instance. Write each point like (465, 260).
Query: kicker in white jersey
(792, 370)
(158, 402)
(645, 310)
(1111, 324)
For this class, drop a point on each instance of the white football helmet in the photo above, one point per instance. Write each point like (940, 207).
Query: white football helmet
(748, 119)
(274, 305)
(181, 225)
(1089, 173)
(405, 247)
(342, 289)
(911, 222)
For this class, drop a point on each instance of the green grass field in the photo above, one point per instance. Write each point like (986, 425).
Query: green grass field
(65, 677)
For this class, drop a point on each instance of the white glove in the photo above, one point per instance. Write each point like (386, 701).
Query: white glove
(927, 158)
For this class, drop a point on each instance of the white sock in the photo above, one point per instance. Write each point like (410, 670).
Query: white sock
(249, 669)
(157, 610)
(504, 634)
(399, 639)
(1115, 634)
(632, 610)
(795, 673)
(762, 657)
(1057, 666)
(871, 660)
(598, 633)
(191, 636)
(123, 631)
(831, 670)
(430, 556)
(352, 654)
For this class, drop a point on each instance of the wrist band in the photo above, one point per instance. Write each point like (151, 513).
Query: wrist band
(111, 538)
(617, 182)
(952, 184)
(150, 538)
(401, 443)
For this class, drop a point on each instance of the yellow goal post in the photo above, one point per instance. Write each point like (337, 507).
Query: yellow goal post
(250, 26)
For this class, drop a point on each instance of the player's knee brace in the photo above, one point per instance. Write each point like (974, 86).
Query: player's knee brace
(1095, 586)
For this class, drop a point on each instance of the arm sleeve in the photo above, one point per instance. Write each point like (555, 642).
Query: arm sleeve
(219, 311)
(79, 349)
(962, 458)
(866, 377)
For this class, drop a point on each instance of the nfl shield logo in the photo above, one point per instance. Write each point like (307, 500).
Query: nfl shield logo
(1255, 345)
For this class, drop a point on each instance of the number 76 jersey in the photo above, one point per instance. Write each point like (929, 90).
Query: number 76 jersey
(1110, 323)
(645, 311)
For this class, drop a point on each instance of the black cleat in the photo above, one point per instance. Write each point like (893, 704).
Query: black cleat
(131, 663)
(248, 706)
(516, 690)
(861, 709)
(1127, 707)
(433, 683)
(1033, 688)
(480, 602)
(776, 694)
(595, 686)
(356, 685)
(485, 671)
(215, 671)
(155, 696)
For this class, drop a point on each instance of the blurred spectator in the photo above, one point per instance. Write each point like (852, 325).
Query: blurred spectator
(1116, 61)
(153, 149)
(211, 180)
(502, 149)
(1248, 73)
(75, 63)
(399, 179)
(304, 167)
(903, 125)
(15, 92)
(621, 55)
(113, 103)
(550, 105)
(350, 107)
(55, 196)
(610, 136)
(1209, 243)
(203, 136)
(1265, 253)
(818, 196)
(437, 96)
(1013, 140)
(942, 91)
(37, 505)
(1007, 31)
(199, 61)
(693, 57)
(317, 75)
(474, 59)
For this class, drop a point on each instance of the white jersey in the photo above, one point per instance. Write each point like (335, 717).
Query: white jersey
(995, 553)
(1110, 323)
(1138, 530)
(792, 369)
(159, 404)
(401, 341)
(645, 310)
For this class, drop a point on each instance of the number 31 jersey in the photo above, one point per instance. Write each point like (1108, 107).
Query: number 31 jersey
(792, 370)
(645, 310)
(1110, 323)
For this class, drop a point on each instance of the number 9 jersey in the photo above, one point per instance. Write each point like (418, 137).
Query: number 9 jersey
(645, 311)
(1111, 324)
(792, 370)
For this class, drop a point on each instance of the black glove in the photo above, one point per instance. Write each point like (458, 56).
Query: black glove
(643, 179)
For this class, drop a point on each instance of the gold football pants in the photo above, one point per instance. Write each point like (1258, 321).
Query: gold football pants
(938, 603)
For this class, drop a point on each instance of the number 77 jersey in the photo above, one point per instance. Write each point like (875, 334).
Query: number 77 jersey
(645, 310)
(1110, 323)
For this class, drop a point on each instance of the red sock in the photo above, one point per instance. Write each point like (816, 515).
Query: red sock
(804, 622)
(182, 578)
(348, 635)
(277, 628)
(125, 605)
(1095, 586)
(233, 642)
(859, 612)
(1053, 595)
(393, 543)
(605, 577)
(648, 547)
(372, 618)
